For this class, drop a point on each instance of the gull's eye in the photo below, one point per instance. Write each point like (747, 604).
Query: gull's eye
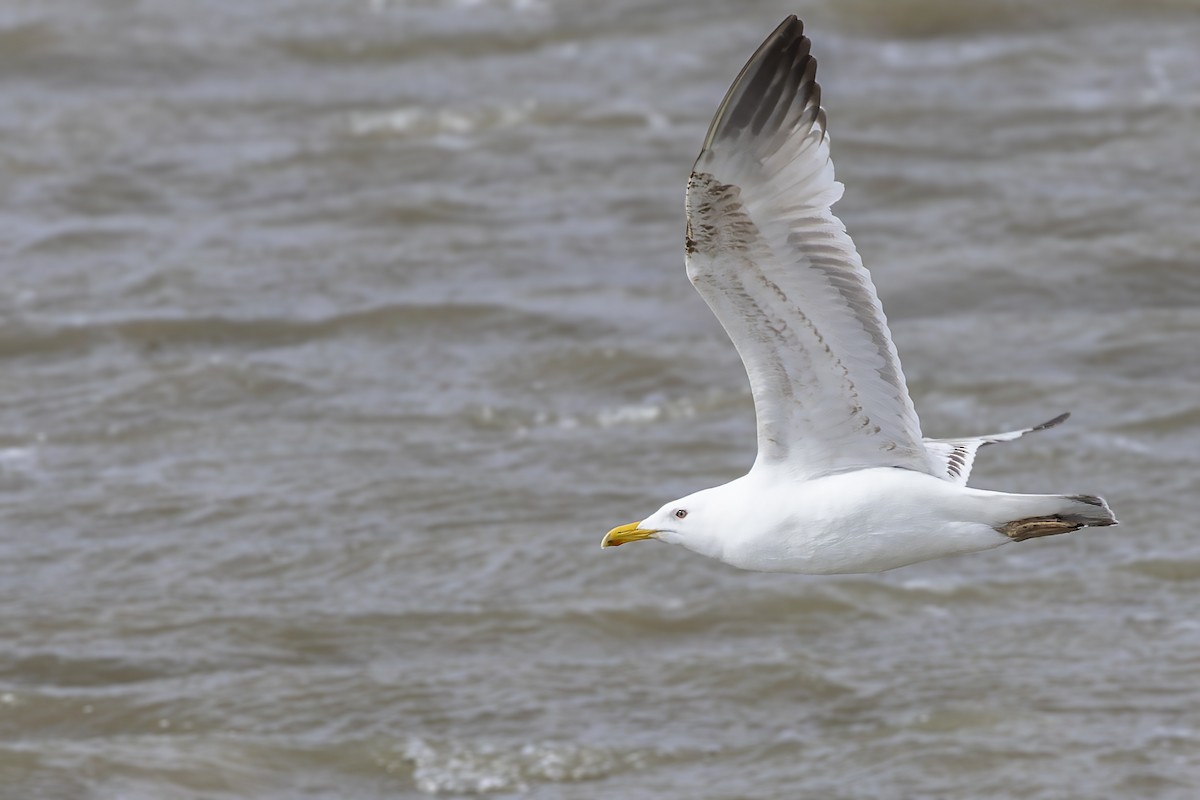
(680, 513)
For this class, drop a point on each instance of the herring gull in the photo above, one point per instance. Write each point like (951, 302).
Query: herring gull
(844, 481)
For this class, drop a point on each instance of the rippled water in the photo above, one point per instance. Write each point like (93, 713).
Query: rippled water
(333, 336)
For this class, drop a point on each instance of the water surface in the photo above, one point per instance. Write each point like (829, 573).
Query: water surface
(334, 335)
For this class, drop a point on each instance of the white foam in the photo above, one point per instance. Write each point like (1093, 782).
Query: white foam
(445, 125)
(455, 767)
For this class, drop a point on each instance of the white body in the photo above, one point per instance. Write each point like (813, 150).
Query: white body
(862, 521)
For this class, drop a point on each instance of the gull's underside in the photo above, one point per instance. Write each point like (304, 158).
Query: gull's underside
(844, 480)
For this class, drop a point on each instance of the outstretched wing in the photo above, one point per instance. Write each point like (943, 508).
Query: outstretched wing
(783, 277)
(955, 457)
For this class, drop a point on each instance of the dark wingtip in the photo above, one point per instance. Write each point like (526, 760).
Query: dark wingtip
(786, 50)
(1060, 419)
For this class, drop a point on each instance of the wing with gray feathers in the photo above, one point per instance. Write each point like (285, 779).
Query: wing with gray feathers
(955, 457)
(777, 267)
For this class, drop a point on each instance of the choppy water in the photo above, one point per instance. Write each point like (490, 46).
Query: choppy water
(333, 336)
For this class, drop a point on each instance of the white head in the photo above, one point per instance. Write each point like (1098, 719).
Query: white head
(700, 522)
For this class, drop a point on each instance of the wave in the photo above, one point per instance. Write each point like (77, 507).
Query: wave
(433, 122)
(449, 766)
(20, 338)
(934, 18)
(522, 418)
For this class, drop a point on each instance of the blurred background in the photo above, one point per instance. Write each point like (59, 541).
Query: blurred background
(334, 335)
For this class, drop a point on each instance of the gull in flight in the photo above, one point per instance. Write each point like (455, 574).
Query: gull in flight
(843, 482)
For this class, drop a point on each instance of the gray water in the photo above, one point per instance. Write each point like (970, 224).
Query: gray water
(334, 335)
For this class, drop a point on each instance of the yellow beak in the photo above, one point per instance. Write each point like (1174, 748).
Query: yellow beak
(626, 533)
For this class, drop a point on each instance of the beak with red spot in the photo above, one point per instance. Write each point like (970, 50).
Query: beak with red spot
(627, 533)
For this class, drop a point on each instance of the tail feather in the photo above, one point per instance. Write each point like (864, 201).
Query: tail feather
(1067, 513)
